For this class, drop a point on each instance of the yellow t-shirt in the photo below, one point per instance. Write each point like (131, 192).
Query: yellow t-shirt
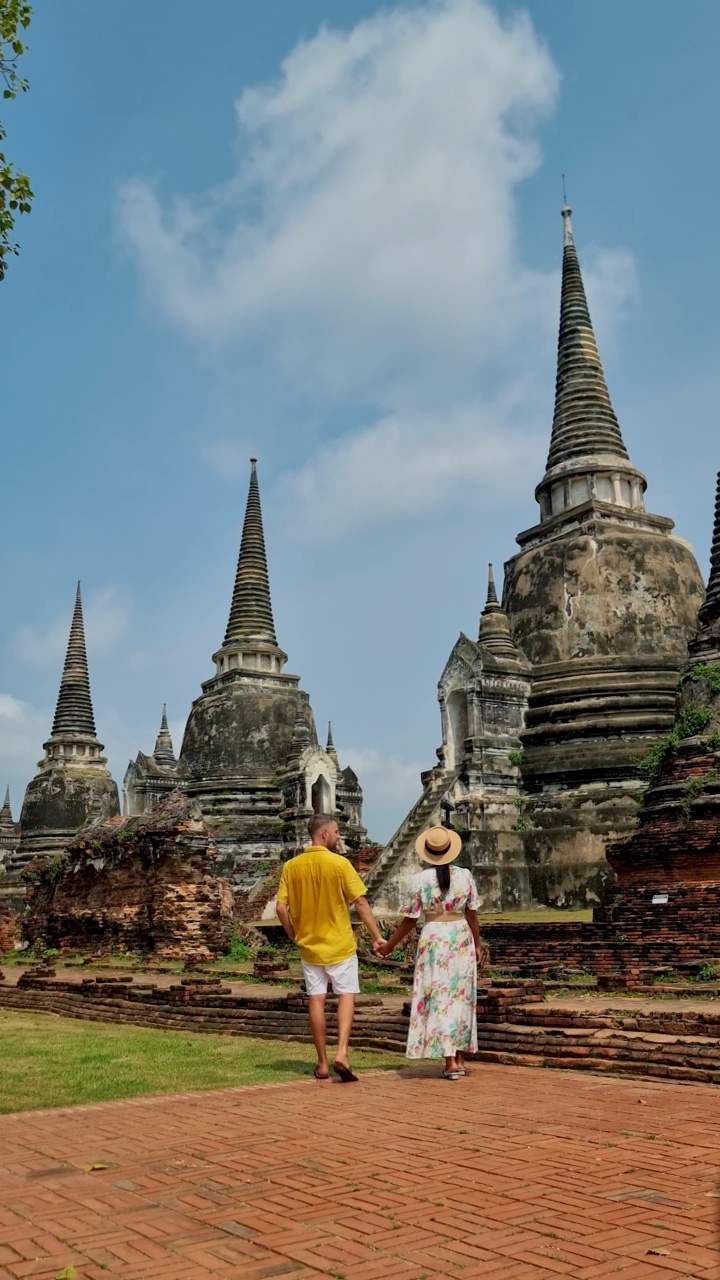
(318, 886)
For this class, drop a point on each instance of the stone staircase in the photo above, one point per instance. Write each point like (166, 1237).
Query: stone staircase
(424, 813)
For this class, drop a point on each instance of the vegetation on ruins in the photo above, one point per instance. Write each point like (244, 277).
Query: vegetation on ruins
(708, 673)
(693, 787)
(238, 950)
(691, 721)
(16, 195)
(521, 823)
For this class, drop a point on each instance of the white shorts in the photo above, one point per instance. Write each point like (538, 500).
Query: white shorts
(344, 977)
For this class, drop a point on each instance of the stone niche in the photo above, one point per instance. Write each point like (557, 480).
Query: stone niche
(146, 884)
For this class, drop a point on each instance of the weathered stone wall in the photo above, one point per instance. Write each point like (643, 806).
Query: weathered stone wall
(242, 729)
(515, 1026)
(614, 591)
(8, 927)
(142, 884)
(604, 613)
(58, 803)
(674, 858)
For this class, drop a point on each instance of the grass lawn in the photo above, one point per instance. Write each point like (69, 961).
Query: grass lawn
(46, 1061)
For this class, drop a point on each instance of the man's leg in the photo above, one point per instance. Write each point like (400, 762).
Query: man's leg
(316, 984)
(345, 978)
(345, 1015)
(318, 1027)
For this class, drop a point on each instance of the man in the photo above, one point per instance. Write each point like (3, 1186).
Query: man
(316, 889)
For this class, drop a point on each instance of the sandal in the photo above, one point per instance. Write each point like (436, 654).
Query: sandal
(346, 1075)
(450, 1075)
(318, 1076)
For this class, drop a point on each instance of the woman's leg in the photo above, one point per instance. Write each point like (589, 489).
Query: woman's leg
(451, 1065)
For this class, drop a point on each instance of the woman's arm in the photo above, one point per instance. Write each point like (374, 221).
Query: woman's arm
(481, 950)
(406, 926)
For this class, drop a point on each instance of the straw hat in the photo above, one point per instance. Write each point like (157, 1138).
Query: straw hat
(437, 846)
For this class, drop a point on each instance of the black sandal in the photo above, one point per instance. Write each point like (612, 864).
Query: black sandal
(346, 1075)
(317, 1075)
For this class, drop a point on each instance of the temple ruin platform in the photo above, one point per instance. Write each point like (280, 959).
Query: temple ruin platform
(519, 1024)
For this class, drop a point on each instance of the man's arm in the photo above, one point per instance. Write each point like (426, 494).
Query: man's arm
(406, 926)
(283, 915)
(364, 910)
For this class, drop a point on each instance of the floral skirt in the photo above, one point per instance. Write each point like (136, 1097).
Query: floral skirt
(443, 1015)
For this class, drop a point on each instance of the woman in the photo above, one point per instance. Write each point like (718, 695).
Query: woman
(443, 1017)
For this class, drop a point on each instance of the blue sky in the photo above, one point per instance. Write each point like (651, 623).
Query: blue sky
(338, 249)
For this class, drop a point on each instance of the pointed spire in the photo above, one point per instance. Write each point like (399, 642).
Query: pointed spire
(163, 753)
(491, 592)
(74, 711)
(251, 615)
(494, 626)
(6, 818)
(330, 747)
(584, 420)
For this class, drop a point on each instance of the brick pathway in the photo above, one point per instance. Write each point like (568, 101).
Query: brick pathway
(508, 1175)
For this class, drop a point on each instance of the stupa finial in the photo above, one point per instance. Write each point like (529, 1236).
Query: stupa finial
(494, 626)
(251, 616)
(584, 420)
(74, 711)
(164, 754)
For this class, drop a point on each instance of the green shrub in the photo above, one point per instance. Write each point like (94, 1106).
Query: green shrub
(238, 950)
(651, 763)
(708, 673)
(692, 719)
(52, 870)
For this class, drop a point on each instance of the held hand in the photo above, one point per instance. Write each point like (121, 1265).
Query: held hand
(382, 949)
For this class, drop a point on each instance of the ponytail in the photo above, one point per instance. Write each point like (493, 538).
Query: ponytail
(443, 878)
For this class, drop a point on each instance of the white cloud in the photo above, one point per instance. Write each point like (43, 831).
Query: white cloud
(410, 464)
(106, 616)
(369, 239)
(371, 216)
(23, 729)
(11, 708)
(612, 285)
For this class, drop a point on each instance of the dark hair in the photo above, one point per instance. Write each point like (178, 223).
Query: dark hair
(443, 877)
(318, 821)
